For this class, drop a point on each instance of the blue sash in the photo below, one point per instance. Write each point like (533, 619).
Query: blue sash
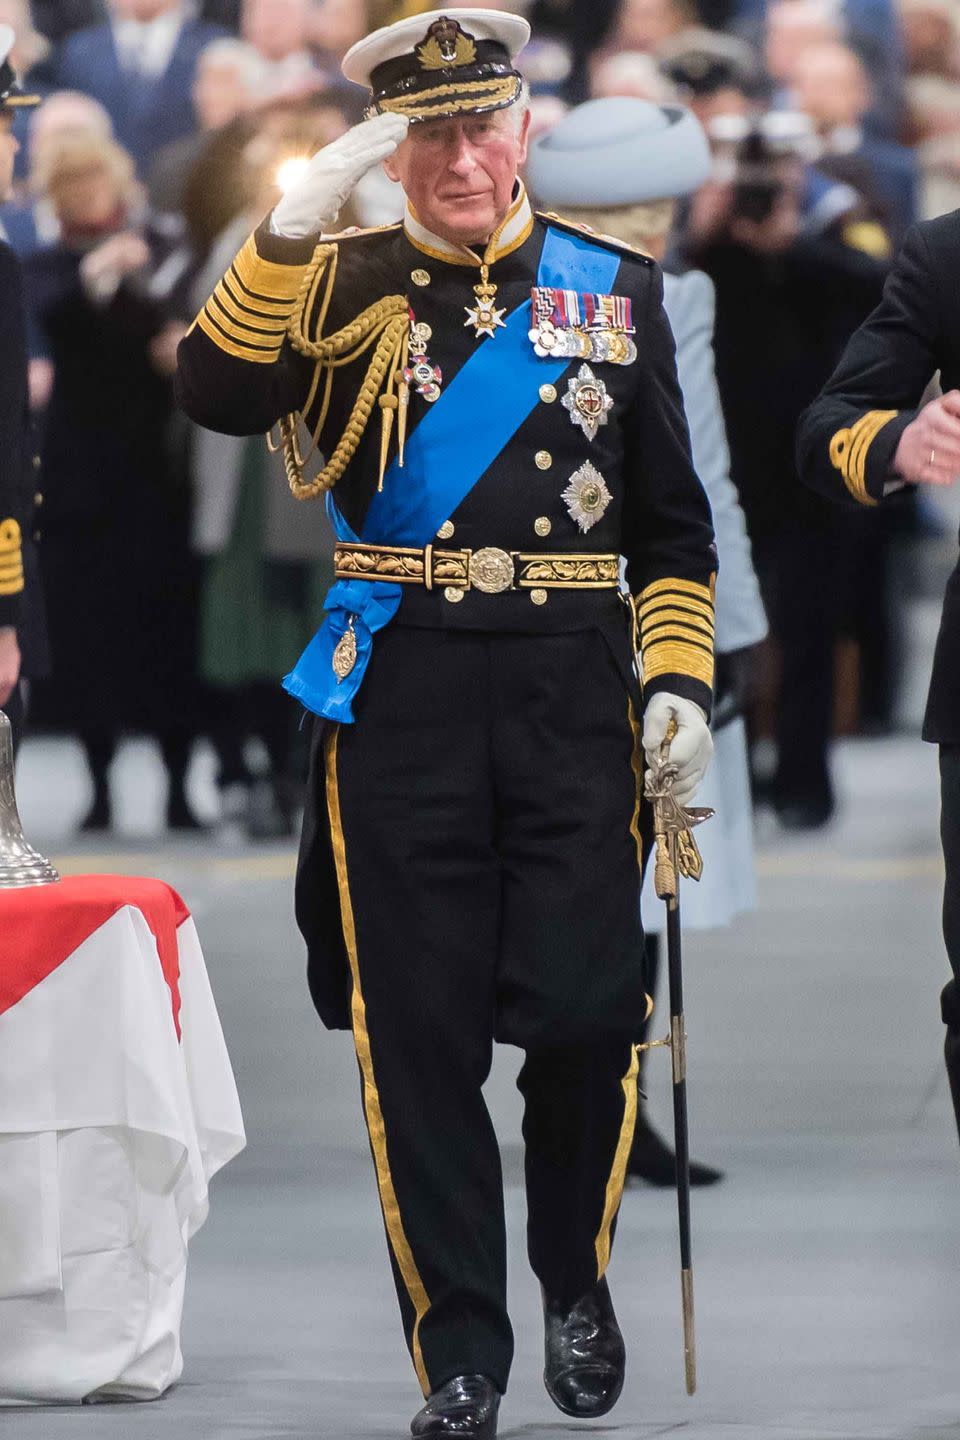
(454, 445)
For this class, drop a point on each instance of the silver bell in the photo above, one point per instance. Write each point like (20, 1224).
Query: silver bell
(19, 862)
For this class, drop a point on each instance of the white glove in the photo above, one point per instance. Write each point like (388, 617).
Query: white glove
(692, 747)
(314, 201)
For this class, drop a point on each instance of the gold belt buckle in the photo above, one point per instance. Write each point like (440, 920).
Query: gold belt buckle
(492, 570)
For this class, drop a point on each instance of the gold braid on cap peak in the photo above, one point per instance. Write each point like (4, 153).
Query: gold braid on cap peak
(384, 326)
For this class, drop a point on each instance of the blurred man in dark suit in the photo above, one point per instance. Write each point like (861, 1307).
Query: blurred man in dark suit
(867, 434)
(140, 64)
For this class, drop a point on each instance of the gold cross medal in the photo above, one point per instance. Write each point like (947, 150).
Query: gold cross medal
(421, 374)
(484, 316)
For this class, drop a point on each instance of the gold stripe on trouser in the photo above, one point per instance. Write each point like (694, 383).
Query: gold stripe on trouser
(618, 1175)
(371, 1097)
(636, 760)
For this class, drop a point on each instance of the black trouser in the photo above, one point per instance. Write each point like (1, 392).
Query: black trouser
(798, 579)
(950, 837)
(484, 815)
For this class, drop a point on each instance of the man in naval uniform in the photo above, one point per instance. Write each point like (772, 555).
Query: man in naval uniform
(496, 401)
(867, 434)
(22, 640)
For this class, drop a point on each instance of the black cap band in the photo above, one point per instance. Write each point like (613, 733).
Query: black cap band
(448, 73)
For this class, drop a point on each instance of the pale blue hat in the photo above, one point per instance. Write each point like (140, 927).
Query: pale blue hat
(618, 151)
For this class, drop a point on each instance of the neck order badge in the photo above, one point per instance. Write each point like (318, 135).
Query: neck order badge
(445, 457)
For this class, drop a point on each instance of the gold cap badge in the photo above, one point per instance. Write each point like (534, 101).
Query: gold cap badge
(446, 46)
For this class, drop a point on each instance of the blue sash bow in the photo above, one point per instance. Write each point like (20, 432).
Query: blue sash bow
(446, 455)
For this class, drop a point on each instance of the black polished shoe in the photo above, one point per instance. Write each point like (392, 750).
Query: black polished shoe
(810, 812)
(586, 1358)
(467, 1405)
(181, 817)
(651, 1159)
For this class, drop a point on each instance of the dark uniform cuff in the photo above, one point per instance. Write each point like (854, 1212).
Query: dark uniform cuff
(280, 250)
(863, 452)
(681, 685)
(879, 468)
(11, 611)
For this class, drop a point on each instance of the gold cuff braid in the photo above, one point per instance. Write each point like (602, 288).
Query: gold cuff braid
(849, 448)
(11, 558)
(384, 326)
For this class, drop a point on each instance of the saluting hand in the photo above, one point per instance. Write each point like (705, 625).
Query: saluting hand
(929, 449)
(315, 200)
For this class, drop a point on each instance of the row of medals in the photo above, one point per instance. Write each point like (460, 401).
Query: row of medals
(587, 401)
(605, 345)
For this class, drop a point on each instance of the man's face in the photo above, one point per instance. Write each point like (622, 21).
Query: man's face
(459, 174)
(9, 146)
(276, 28)
(830, 86)
(220, 93)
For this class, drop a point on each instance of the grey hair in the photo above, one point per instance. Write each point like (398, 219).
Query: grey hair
(519, 107)
(635, 225)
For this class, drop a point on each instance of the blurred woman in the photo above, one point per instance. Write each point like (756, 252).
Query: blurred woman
(115, 564)
(264, 572)
(627, 164)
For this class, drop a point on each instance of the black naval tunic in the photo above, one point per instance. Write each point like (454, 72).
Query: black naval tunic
(847, 441)
(20, 600)
(471, 857)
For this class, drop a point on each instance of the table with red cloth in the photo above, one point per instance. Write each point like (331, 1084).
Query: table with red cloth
(117, 1106)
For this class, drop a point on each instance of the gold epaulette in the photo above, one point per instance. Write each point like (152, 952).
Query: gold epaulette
(576, 228)
(357, 232)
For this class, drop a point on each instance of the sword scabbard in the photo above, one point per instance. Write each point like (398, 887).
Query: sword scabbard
(677, 854)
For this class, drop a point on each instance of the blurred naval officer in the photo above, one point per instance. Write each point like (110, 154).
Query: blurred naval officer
(621, 166)
(869, 432)
(22, 639)
(495, 397)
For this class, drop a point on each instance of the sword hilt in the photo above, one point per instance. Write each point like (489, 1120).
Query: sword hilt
(670, 734)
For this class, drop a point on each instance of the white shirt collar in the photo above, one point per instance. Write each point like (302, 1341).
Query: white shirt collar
(147, 46)
(514, 229)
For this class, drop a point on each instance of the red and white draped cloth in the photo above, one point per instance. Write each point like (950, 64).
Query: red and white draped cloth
(117, 1106)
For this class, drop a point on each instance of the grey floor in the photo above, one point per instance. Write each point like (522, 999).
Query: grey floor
(826, 1264)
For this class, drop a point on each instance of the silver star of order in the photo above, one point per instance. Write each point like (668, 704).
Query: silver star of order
(587, 496)
(484, 318)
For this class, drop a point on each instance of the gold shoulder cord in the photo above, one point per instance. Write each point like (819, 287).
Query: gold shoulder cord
(384, 326)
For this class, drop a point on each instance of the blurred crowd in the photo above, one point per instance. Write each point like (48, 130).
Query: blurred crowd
(180, 581)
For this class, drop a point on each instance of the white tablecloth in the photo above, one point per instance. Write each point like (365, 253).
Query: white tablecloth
(111, 1128)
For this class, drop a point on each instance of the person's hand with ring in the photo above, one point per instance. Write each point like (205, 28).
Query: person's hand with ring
(929, 449)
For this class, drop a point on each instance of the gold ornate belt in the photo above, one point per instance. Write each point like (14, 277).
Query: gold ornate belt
(491, 570)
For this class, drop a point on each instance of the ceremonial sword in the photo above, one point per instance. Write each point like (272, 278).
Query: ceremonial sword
(677, 855)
